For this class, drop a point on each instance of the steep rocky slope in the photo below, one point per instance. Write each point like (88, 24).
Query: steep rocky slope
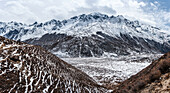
(90, 35)
(159, 86)
(153, 79)
(27, 68)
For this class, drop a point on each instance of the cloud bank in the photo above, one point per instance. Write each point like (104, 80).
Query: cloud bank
(29, 11)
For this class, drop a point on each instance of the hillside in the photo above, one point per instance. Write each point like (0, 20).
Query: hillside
(27, 68)
(153, 79)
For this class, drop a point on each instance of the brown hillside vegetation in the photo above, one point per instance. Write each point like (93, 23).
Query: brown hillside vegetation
(153, 79)
(31, 69)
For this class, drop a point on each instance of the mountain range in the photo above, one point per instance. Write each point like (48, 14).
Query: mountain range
(90, 35)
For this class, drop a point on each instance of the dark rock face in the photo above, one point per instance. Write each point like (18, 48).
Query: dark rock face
(150, 76)
(28, 68)
(97, 45)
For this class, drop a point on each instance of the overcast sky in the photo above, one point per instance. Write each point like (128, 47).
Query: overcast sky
(154, 12)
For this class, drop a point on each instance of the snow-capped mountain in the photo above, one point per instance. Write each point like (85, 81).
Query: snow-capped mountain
(90, 35)
(31, 69)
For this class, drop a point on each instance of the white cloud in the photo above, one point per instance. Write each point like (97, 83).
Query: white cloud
(28, 11)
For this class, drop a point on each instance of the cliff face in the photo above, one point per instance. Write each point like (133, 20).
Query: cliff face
(27, 68)
(154, 78)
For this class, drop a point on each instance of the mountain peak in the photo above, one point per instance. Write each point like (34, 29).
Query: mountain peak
(121, 16)
(94, 15)
(97, 13)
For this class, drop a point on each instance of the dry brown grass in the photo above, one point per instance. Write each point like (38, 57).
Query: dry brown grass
(146, 76)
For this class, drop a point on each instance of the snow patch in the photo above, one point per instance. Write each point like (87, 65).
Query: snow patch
(61, 54)
(1, 58)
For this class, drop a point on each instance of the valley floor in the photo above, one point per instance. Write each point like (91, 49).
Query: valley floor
(112, 70)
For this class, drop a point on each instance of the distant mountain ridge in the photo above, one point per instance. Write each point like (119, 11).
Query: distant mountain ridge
(90, 35)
